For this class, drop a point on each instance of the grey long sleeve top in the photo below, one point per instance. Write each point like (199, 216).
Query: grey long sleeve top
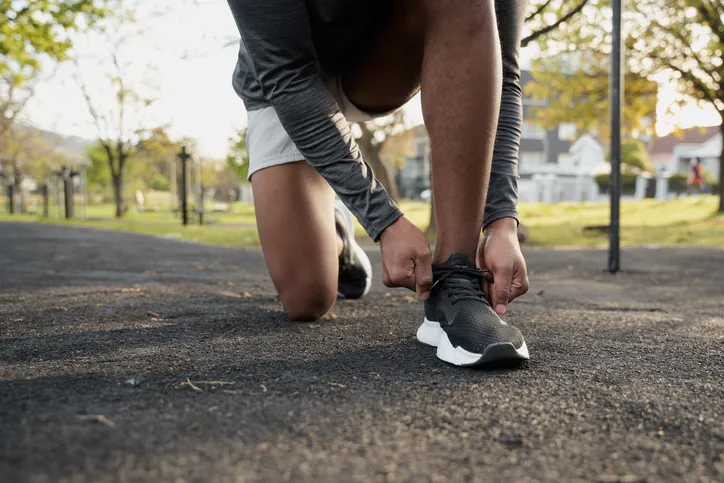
(288, 48)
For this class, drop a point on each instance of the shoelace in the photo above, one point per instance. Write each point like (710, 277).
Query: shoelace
(461, 289)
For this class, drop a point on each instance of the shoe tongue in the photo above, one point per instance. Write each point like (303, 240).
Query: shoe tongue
(458, 259)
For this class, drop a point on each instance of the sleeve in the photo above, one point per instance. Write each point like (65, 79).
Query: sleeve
(278, 37)
(503, 188)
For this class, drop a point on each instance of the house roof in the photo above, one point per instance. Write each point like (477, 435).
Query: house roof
(694, 135)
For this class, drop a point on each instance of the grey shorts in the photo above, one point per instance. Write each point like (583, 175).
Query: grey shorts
(269, 144)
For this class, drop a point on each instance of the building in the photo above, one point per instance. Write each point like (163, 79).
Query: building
(544, 155)
(678, 152)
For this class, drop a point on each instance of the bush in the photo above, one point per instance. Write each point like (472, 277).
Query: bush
(677, 182)
(628, 182)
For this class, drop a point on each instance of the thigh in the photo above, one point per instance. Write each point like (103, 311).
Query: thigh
(295, 216)
(386, 75)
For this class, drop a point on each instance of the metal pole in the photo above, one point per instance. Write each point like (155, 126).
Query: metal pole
(68, 185)
(616, 101)
(46, 201)
(11, 198)
(184, 156)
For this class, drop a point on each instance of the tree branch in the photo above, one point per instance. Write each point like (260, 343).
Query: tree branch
(535, 35)
(538, 10)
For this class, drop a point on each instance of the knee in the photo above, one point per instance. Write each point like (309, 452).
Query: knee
(468, 16)
(306, 302)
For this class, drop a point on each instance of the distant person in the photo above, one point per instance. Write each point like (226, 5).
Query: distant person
(140, 201)
(306, 68)
(696, 178)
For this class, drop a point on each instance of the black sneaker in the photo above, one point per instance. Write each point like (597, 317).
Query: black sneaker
(460, 322)
(355, 269)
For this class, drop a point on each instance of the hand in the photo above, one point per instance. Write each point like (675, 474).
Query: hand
(406, 258)
(499, 252)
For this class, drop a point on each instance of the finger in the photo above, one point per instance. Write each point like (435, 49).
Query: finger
(403, 278)
(486, 289)
(501, 289)
(519, 286)
(386, 279)
(423, 274)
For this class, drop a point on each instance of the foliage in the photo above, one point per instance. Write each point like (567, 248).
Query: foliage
(634, 156)
(548, 18)
(676, 41)
(581, 97)
(32, 29)
(684, 38)
(237, 159)
(628, 181)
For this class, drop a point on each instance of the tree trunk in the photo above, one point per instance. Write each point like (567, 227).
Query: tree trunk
(371, 154)
(721, 170)
(118, 194)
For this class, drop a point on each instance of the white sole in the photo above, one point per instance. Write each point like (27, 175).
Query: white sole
(360, 254)
(431, 333)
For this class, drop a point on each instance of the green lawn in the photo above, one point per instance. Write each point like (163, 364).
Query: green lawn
(684, 221)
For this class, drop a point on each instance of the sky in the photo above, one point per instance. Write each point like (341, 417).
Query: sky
(175, 53)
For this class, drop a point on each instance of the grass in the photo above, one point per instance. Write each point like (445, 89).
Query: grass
(683, 221)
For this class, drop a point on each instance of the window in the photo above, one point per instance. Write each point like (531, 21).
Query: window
(533, 131)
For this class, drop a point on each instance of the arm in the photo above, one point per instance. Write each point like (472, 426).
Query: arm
(277, 35)
(503, 188)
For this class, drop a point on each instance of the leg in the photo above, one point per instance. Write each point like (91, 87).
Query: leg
(461, 86)
(294, 199)
(454, 50)
(388, 74)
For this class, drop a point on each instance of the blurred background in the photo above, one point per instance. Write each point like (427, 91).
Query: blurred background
(98, 98)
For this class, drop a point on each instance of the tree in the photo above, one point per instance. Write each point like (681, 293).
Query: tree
(33, 30)
(237, 159)
(371, 139)
(634, 156)
(677, 42)
(118, 113)
(684, 39)
(581, 97)
(27, 152)
(548, 16)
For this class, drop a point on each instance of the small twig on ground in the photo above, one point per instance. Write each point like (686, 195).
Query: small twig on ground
(214, 383)
(336, 384)
(99, 418)
(190, 385)
(263, 388)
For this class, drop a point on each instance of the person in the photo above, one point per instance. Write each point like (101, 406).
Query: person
(696, 178)
(306, 68)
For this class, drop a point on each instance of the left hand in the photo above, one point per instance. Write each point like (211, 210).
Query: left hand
(499, 252)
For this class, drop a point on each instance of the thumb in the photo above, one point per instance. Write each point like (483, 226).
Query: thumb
(423, 275)
(501, 289)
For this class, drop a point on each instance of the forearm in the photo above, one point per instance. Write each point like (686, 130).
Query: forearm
(314, 122)
(503, 188)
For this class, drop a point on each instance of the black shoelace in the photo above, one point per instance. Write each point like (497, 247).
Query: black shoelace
(460, 286)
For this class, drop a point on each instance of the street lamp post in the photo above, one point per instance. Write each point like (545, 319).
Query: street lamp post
(616, 89)
(184, 156)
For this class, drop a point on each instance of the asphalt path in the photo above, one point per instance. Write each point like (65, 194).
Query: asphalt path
(126, 358)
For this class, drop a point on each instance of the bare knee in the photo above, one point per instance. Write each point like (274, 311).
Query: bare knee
(467, 16)
(306, 302)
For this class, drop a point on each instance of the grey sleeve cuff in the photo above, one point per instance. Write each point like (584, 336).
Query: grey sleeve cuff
(502, 198)
(376, 230)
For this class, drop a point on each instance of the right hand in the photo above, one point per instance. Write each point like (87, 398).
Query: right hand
(406, 258)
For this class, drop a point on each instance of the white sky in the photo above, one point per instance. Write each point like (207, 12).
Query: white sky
(180, 61)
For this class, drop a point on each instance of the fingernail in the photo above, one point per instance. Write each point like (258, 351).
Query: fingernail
(500, 309)
(425, 295)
